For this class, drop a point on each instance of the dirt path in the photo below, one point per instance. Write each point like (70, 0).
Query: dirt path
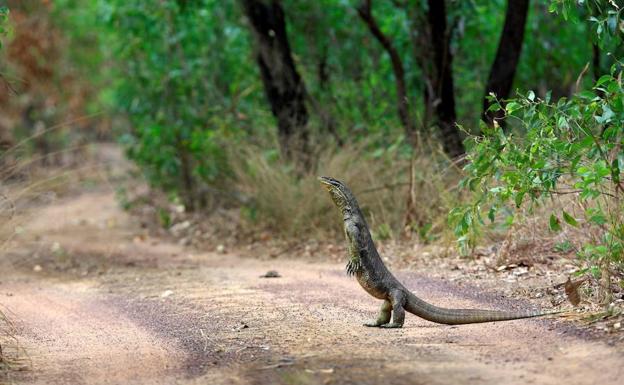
(97, 302)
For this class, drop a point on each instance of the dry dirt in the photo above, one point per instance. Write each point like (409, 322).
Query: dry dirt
(97, 301)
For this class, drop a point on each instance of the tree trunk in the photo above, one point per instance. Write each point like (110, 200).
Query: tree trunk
(507, 57)
(283, 86)
(596, 62)
(365, 12)
(444, 100)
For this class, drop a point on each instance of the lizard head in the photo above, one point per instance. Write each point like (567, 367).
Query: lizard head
(341, 195)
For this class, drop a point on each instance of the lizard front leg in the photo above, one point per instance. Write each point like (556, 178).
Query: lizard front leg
(397, 298)
(384, 315)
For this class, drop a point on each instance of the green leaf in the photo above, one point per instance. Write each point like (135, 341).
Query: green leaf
(607, 115)
(519, 198)
(612, 23)
(554, 223)
(603, 79)
(569, 219)
(494, 107)
(512, 106)
(492, 213)
(601, 169)
(552, 7)
(595, 216)
(586, 95)
(615, 171)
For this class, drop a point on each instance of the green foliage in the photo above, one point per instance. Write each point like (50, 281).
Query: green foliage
(179, 79)
(85, 45)
(357, 91)
(565, 147)
(604, 15)
(4, 21)
(554, 52)
(564, 247)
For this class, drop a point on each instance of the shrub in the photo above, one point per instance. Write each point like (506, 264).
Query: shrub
(179, 89)
(570, 147)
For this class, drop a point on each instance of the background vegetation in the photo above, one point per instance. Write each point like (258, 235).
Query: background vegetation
(241, 104)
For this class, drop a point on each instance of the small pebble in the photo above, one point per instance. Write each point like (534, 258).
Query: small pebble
(271, 274)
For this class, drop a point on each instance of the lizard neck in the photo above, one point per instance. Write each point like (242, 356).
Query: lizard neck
(354, 215)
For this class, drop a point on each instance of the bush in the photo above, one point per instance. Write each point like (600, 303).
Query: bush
(179, 89)
(571, 147)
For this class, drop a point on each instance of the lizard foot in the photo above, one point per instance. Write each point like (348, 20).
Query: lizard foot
(374, 324)
(392, 325)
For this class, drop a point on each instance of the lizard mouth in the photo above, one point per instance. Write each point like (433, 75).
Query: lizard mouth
(335, 189)
(327, 181)
(338, 192)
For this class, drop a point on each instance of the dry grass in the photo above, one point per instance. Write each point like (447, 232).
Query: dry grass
(530, 240)
(25, 184)
(12, 356)
(531, 225)
(296, 206)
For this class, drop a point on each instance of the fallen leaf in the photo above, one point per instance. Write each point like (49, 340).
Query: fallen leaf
(571, 290)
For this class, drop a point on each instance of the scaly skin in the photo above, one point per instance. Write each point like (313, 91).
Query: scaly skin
(373, 275)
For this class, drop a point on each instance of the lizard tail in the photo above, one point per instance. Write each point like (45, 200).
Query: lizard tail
(441, 315)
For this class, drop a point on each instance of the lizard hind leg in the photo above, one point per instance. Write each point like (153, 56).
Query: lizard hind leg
(398, 312)
(384, 315)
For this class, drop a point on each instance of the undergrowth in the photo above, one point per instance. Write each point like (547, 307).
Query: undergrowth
(295, 205)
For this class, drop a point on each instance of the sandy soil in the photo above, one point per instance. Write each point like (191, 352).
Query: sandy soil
(97, 301)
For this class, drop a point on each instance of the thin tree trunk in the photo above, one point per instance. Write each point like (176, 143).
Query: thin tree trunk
(420, 38)
(507, 57)
(444, 101)
(366, 14)
(329, 123)
(283, 85)
(596, 62)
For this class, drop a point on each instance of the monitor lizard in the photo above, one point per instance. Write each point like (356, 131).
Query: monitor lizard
(373, 275)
